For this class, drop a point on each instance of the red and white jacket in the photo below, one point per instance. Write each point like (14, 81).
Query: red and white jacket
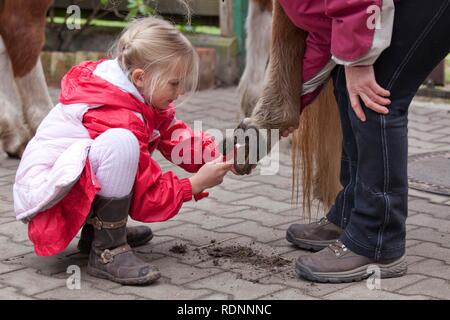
(346, 32)
(55, 186)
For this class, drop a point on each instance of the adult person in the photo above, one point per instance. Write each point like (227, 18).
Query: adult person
(378, 53)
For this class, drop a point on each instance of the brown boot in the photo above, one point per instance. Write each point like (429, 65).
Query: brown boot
(136, 236)
(111, 257)
(337, 264)
(313, 236)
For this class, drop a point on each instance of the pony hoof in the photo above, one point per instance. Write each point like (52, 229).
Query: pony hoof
(248, 148)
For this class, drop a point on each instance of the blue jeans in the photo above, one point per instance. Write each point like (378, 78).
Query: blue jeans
(373, 206)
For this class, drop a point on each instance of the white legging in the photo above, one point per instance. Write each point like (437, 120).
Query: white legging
(114, 157)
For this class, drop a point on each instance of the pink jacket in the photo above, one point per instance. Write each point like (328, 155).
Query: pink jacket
(347, 32)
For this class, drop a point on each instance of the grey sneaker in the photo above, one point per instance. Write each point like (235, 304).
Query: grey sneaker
(337, 264)
(313, 236)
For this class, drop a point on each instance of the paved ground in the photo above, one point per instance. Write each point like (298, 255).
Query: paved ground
(252, 212)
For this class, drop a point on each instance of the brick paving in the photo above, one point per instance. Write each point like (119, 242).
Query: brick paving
(252, 211)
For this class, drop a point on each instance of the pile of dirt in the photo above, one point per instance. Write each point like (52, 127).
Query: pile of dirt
(251, 264)
(179, 249)
(238, 253)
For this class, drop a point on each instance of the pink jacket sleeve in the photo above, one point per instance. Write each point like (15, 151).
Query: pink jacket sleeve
(181, 146)
(361, 29)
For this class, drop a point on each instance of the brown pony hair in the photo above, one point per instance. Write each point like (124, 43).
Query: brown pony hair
(316, 152)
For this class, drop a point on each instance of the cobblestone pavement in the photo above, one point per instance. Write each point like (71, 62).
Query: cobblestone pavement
(253, 212)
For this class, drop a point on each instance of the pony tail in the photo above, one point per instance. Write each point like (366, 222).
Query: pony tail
(316, 152)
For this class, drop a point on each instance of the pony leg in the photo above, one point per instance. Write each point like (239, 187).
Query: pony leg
(279, 106)
(13, 132)
(35, 96)
(318, 140)
(259, 28)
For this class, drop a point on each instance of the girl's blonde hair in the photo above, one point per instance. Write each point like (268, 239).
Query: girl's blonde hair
(157, 47)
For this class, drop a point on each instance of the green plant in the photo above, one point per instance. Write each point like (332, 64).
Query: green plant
(138, 7)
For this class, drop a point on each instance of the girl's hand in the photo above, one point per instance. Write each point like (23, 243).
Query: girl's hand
(361, 83)
(210, 175)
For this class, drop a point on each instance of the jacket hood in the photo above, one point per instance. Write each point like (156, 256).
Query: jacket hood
(104, 83)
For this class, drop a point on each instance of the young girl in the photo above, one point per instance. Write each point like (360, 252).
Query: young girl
(90, 162)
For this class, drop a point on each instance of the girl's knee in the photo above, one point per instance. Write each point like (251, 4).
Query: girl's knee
(120, 137)
(117, 140)
(117, 145)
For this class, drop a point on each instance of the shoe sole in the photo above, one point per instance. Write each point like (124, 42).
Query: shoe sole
(395, 269)
(148, 279)
(311, 245)
(82, 245)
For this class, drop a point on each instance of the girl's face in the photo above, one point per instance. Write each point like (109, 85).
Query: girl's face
(167, 93)
(164, 93)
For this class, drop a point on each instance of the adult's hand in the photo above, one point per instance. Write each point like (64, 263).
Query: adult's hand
(361, 83)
